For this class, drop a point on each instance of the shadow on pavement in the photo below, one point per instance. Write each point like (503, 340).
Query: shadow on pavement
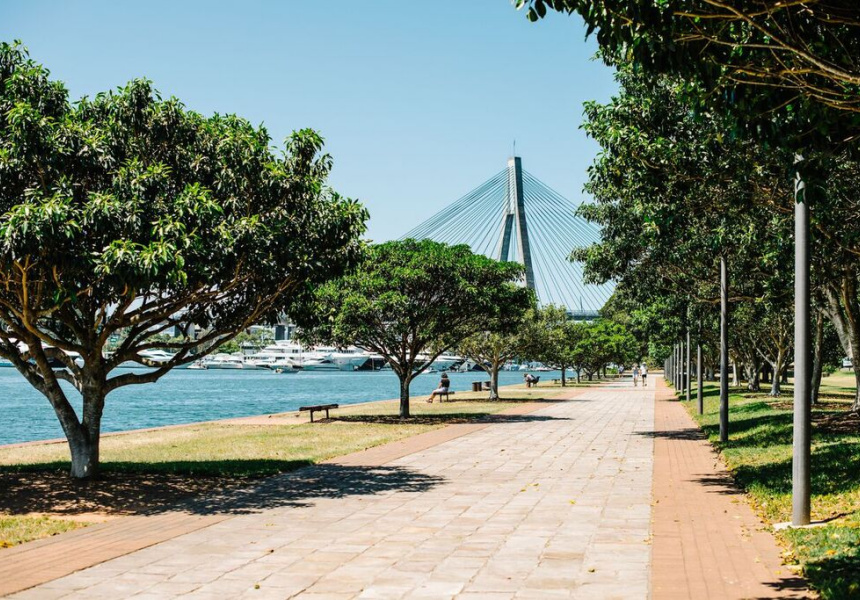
(321, 481)
(124, 493)
(446, 419)
(688, 433)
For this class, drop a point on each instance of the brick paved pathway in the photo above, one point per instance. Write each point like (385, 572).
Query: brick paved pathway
(708, 542)
(554, 503)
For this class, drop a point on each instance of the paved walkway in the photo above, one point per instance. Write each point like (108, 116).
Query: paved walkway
(611, 494)
(554, 503)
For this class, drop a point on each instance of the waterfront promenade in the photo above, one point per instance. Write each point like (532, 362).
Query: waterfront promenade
(608, 494)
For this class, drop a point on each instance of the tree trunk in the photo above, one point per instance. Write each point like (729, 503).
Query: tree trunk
(776, 385)
(405, 380)
(563, 376)
(84, 448)
(494, 381)
(856, 406)
(754, 381)
(84, 439)
(817, 367)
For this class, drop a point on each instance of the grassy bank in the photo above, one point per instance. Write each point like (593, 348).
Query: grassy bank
(759, 456)
(150, 471)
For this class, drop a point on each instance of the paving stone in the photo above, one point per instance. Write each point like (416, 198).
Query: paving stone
(571, 490)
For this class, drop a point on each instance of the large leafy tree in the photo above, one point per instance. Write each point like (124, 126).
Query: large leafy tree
(411, 300)
(128, 214)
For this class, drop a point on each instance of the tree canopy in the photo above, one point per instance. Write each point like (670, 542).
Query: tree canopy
(782, 65)
(130, 213)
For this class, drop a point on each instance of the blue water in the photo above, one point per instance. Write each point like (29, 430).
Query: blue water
(188, 396)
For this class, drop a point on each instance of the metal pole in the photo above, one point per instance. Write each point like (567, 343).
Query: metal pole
(724, 350)
(800, 476)
(670, 377)
(675, 366)
(699, 397)
(688, 382)
(678, 367)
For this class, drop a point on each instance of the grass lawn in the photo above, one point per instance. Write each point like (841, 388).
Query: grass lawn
(759, 456)
(152, 470)
(16, 529)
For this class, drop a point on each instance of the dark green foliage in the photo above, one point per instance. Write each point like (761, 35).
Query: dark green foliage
(129, 213)
(411, 300)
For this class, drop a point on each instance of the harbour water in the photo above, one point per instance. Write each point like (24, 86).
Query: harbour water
(188, 396)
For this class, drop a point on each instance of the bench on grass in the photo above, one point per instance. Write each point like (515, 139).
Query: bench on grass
(317, 407)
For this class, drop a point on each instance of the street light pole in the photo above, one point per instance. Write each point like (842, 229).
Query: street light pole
(724, 350)
(688, 382)
(699, 379)
(800, 475)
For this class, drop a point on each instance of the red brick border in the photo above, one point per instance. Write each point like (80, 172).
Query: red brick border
(707, 541)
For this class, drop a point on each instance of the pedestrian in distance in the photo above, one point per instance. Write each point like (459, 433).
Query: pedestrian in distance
(635, 375)
(529, 379)
(644, 372)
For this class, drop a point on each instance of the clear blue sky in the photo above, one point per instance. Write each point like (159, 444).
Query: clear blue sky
(418, 100)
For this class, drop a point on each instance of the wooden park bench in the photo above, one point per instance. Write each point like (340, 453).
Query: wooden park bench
(315, 408)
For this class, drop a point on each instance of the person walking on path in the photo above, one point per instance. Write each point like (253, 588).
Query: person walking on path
(635, 375)
(444, 386)
(644, 372)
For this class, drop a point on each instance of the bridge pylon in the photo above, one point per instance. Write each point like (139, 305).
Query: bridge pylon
(514, 225)
(513, 216)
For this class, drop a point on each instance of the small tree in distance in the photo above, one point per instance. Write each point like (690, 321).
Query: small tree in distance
(126, 214)
(411, 300)
(493, 348)
(552, 337)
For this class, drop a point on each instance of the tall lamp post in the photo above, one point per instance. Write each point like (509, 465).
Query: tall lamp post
(800, 475)
(724, 350)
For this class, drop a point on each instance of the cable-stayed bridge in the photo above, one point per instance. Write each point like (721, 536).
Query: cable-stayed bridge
(514, 216)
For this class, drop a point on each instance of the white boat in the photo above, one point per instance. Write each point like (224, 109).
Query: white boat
(158, 356)
(223, 361)
(320, 363)
(284, 366)
(444, 362)
(350, 358)
(283, 353)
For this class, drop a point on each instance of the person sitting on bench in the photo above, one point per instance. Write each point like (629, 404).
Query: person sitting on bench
(442, 390)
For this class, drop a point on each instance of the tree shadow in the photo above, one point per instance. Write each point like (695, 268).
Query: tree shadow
(442, 419)
(120, 492)
(501, 399)
(686, 434)
(788, 584)
(835, 578)
(833, 467)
